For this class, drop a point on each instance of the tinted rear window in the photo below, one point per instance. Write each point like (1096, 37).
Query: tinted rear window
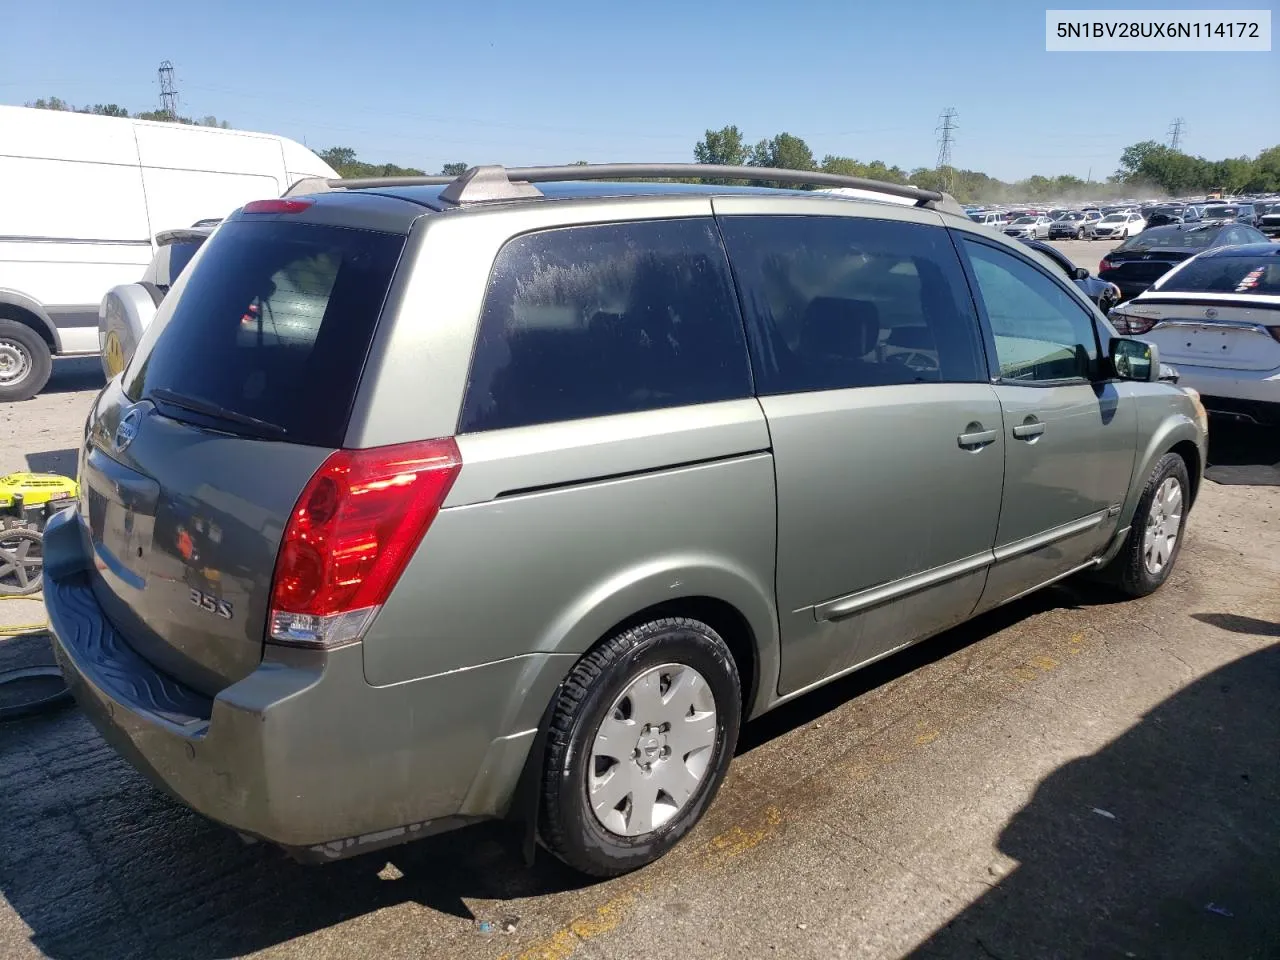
(180, 255)
(616, 318)
(273, 323)
(1227, 275)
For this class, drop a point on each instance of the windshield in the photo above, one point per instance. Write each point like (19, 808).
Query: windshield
(1168, 237)
(1072, 216)
(1221, 213)
(1210, 274)
(1114, 218)
(1025, 220)
(272, 324)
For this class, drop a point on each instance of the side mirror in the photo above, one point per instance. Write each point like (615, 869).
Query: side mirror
(1080, 273)
(1135, 360)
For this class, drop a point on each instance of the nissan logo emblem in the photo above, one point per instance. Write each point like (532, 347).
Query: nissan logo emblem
(127, 429)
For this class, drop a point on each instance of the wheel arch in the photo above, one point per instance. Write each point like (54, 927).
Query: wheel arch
(25, 310)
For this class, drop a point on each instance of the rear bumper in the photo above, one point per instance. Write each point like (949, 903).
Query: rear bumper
(303, 752)
(1239, 394)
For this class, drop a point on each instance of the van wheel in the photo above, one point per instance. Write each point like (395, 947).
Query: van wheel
(1155, 539)
(639, 743)
(25, 362)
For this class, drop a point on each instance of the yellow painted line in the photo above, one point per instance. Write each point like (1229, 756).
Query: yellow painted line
(737, 840)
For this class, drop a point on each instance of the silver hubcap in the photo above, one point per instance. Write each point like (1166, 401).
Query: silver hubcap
(1164, 523)
(14, 361)
(652, 750)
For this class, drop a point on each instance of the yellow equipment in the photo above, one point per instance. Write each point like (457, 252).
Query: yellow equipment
(30, 499)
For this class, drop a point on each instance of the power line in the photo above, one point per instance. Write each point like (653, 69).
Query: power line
(1175, 134)
(946, 129)
(168, 92)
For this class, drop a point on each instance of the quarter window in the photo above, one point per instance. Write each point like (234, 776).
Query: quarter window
(1041, 332)
(836, 302)
(598, 320)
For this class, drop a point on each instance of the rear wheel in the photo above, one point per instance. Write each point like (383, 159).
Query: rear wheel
(1155, 538)
(642, 735)
(25, 361)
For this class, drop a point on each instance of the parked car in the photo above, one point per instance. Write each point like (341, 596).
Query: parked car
(128, 309)
(1140, 261)
(1170, 213)
(1269, 220)
(990, 218)
(1073, 225)
(1104, 294)
(1216, 316)
(118, 181)
(1228, 212)
(1029, 227)
(1116, 225)
(425, 502)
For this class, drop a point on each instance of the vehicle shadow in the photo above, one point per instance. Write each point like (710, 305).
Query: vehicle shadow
(1161, 844)
(97, 862)
(71, 374)
(1243, 454)
(54, 461)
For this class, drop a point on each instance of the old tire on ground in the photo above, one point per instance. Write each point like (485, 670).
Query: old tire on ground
(640, 739)
(1155, 537)
(25, 362)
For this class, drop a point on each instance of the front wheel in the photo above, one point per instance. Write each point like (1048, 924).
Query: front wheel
(25, 362)
(641, 737)
(1155, 538)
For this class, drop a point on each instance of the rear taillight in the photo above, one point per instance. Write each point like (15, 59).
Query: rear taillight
(276, 206)
(1105, 264)
(1129, 325)
(350, 536)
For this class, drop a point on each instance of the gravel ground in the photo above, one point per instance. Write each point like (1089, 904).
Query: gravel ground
(1067, 776)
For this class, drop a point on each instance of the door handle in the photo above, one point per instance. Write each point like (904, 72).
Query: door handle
(975, 438)
(1029, 430)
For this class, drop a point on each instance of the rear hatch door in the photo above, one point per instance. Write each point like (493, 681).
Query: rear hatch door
(240, 390)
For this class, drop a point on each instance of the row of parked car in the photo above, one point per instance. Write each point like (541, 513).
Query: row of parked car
(1122, 222)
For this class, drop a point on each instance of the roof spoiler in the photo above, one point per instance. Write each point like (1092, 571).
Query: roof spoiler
(488, 183)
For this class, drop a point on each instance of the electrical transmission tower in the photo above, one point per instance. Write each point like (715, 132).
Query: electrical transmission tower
(168, 92)
(946, 129)
(1175, 134)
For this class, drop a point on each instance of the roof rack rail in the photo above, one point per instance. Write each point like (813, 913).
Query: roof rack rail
(488, 183)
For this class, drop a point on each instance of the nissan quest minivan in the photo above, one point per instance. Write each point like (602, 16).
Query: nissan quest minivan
(428, 501)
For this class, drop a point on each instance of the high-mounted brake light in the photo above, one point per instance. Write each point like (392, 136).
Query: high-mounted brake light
(350, 536)
(281, 205)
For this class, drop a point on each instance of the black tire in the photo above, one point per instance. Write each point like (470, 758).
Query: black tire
(25, 352)
(1080, 234)
(1129, 572)
(568, 826)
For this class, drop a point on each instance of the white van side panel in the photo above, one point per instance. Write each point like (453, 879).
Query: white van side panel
(300, 163)
(179, 198)
(71, 200)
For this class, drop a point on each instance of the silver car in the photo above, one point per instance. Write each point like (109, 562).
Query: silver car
(1029, 228)
(427, 501)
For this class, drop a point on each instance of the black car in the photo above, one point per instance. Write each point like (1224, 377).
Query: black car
(1269, 219)
(1143, 259)
(1171, 213)
(1105, 295)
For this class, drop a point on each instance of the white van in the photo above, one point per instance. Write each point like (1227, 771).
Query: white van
(81, 198)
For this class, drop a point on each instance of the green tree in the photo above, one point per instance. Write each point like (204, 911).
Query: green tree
(724, 146)
(453, 169)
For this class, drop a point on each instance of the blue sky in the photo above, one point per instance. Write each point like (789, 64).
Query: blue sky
(423, 84)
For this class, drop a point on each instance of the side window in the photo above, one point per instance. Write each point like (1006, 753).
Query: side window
(596, 320)
(1041, 332)
(835, 302)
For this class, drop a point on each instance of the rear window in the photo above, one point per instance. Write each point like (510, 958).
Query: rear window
(597, 320)
(272, 324)
(1166, 237)
(1211, 274)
